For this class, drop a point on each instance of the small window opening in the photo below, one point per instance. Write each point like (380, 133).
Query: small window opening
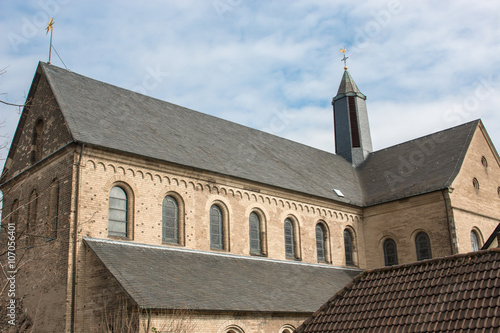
(475, 182)
(484, 161)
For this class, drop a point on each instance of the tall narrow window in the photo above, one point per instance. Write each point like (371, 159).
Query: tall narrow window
(14, 214)
(36, 150)
(423, 245)
(216, 228)
(53, 210)
(390, 252)
(255, 233)
(474, 239)
(117, 212)
(320, 243)
(349, 248)
(31, 225)
(289, 239)
(170, 220)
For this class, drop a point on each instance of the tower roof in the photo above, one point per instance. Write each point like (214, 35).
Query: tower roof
(348, 87)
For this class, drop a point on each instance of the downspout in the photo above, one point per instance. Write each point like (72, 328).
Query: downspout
(75, 229)
(452, 230)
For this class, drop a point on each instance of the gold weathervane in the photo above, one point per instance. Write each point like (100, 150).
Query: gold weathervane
(344, 59)
(50, 28)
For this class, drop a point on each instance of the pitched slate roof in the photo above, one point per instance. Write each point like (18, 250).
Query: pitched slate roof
(158, 277)
(418, 166)
(107, 116)
(453, 294)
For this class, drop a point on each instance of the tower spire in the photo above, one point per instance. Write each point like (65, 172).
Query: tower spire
(352, 129)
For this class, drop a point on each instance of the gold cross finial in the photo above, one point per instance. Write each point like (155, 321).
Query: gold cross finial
(344, 59)
(50, 26)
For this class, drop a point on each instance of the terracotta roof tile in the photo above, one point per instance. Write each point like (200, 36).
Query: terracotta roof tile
(453, 294)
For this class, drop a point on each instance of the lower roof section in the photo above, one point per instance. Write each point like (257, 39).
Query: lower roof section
(158, 277)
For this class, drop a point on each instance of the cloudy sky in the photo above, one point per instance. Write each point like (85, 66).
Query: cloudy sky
(272, 65)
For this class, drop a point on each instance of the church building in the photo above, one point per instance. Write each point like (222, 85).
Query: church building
(128, 211)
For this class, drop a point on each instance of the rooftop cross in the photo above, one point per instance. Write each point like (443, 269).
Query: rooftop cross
(50, 28)
(344, 59)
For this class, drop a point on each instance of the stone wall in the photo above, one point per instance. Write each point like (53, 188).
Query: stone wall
(148, 182)
(477, 209)
(401, 220)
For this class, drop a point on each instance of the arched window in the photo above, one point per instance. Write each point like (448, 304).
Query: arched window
(320, 243)
(14, 214)
(289, 239)
(233, 329)
(36, 152)
(170, 220)
(31, 224)
(53, 210)
(287, 329)
(349, 248)
(474, 239)
(118, 212)
(255, 234)
(216, 228)
(390, 252)
(423, 245)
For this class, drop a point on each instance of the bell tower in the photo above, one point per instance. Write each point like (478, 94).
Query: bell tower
(352, 129)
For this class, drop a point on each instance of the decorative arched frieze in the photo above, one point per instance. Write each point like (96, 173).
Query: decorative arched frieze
(149, 176)
(120, 170)
(91, 164)
(254, 198)
(111, 168)
(101, 166)
(231, 192)
(223, 191)
(140, 174)
(183, 183)
(157, 178)
(130, 172)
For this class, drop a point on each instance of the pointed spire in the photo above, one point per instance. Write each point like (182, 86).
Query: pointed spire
(348, 87)
(352, 129)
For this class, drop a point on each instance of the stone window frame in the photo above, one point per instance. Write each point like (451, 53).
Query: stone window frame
(479, 238)
(484, 162)
(53, 217)
(297, 253)
(350, 257)
(14, 214)
(180, 219)
(262, 251)
(225, 226)
(37, 140)
(287, 328)
(475, 183)
(420, 236)
(130, 209)
(31, 225)
(233, 329)
(390, 241)
(326, 242)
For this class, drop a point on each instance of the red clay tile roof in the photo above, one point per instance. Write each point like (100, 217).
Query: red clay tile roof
(453, 294)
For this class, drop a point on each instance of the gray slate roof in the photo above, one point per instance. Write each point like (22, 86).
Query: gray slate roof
(104, 115)
(418, 166)
(160, 278)
(108, 116)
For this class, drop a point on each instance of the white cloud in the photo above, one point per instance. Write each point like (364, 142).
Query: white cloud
(248, 61)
